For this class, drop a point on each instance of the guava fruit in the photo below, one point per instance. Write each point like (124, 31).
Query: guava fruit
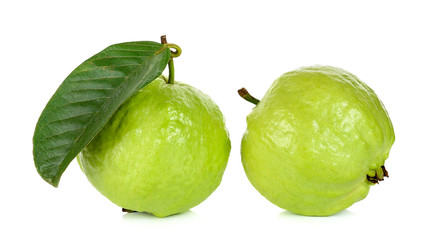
(164, 151)
(317, 141)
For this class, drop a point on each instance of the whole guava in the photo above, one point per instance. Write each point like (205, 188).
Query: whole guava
(317, 141)
(164, 151)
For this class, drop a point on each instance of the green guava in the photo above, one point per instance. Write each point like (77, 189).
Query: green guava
(164, 151)
(317, 141)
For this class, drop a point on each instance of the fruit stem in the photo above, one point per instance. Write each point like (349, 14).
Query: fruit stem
(170, 71)
(173, 55)
(247, 96)
(163, 39)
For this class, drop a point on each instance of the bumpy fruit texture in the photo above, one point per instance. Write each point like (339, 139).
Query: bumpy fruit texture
(317, 141)
(163, 152)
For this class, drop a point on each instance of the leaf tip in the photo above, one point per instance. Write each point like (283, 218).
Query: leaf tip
(53, 182)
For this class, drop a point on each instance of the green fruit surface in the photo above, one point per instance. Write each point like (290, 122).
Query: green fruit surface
(163, 152)
(313, 139)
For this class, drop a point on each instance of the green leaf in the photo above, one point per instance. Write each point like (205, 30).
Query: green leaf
(86, 100)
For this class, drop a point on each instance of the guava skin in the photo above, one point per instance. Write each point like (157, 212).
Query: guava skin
(163, 152)
(314, 138)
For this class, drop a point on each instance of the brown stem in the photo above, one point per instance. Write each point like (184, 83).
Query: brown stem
(163, 39)
(170, 63)
(247, 96)
(127, 210)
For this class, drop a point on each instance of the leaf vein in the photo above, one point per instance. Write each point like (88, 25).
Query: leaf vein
(104, 67)
(63, 119)
(64, 105)
(55, 156)
(92, 89)
(130, 50)
(114, 57)
(92, 79)
(58, 146)
(58, 134)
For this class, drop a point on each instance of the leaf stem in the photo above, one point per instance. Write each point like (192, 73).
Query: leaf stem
(247, 96)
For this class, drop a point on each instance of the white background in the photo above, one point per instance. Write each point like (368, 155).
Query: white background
(226, 45)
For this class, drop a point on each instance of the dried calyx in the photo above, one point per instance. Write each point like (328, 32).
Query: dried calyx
(378, 175)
